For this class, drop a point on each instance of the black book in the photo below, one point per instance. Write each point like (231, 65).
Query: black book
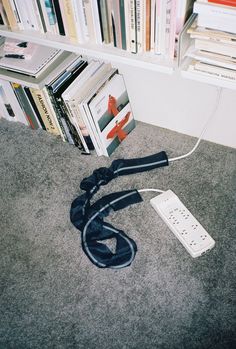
(55, 90)
(60, 23)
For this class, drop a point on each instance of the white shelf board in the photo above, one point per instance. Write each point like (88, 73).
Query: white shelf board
(208, 79)
(104, 52)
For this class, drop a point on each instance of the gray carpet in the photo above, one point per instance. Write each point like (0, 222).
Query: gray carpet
(51, 294)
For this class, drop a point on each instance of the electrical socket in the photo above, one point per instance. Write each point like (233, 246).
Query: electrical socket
(182, 223)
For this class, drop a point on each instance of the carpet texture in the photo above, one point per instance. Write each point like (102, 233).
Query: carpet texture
(52, 296)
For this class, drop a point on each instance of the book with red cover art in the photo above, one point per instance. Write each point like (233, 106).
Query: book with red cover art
(224, 2)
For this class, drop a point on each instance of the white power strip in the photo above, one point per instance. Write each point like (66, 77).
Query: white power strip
(182, 223)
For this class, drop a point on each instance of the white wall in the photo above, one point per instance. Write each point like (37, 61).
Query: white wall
(180, 104)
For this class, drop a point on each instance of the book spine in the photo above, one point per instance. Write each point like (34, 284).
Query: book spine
(89, 17)
(44, 111)
(96, 22)
(78, 123)
(224, 2)
(60, 23)
(133, 25)
(41, 16)
(4, 20)
(147, 23)
(10, 15)
(123, 24)
(104, 20)
(211, 10)
(76, 136)
(225, 74)
(26, 107)
(115, 11)
(82, 19)
(139, 25)
(58, 114)
(31, 102)
(153, 25)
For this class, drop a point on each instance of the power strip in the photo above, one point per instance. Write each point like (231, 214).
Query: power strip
(182, 223)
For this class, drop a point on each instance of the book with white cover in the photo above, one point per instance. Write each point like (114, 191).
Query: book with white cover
(217, 22)
(43, 56)
(212, 71)
(85, 112)
(224, 49)
(111, 112)
(11, 104)
(212, 58)
(77, 91)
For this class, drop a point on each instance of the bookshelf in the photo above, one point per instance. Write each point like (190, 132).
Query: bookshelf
(148, 76)
(103, 52)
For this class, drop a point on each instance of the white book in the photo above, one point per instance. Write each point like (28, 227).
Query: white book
(160, 41)
(11, 103)
(80, 21)
(96, 22)
(132, 26)
(49, 27)
(43, 56)
(75, 94)
(215, 59)
(217, 22)
(111, 112)
(211, 46)
(213, 71)
(85, 113)
(226, 12)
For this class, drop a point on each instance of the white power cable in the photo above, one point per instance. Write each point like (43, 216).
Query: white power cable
(151, 189)
(219, 94)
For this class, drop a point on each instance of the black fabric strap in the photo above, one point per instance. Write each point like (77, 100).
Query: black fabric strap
(89, 219)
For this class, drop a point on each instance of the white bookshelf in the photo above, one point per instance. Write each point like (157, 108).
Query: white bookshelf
(151, 81)
(107, 53)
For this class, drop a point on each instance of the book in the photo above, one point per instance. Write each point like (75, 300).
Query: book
(24, 48)
(217, 22)
(96, 22)
(3, 16)
(111, 112)
(212, 70)
(104, 21)
(212, 58)
(55, 91)
(132, 26)
(26, 106)
(10, 14)
(10, 103)
(42, 57)
(224, 2)
(45, 109)
(216, 47)
(58, 13)
(77, 91)
(70, 20)
(86, 115)
(204, 33)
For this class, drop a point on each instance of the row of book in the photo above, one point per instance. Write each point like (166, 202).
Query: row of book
(133, 25)
(213, 52)
(84, 102)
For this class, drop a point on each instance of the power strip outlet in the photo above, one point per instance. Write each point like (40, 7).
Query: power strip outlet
(182, 223)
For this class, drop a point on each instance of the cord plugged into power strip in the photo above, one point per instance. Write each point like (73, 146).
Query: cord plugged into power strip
(179, 219)
(182, 223)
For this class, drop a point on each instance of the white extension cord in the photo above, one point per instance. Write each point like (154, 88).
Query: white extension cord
(178, 218)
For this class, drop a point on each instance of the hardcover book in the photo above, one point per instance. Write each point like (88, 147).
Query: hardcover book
(111, 112)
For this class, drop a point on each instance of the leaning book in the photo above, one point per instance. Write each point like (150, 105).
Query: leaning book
(111, 113)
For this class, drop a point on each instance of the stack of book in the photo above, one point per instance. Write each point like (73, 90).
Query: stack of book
(133, 25)
(214, 36)
(85, 103)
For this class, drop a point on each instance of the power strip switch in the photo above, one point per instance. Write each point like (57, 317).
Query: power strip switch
(182, 223)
